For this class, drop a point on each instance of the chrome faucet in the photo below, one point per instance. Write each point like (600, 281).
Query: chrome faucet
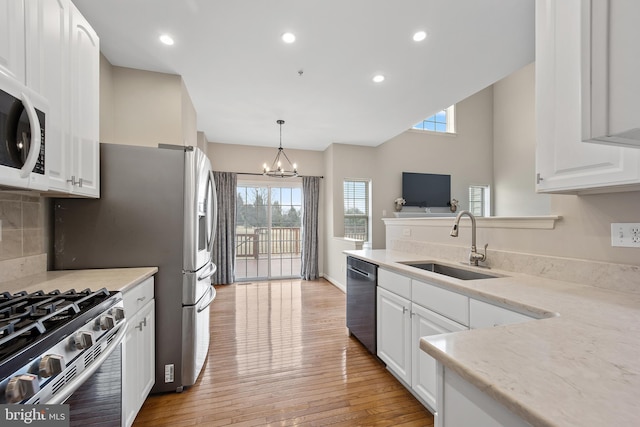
(474, 256)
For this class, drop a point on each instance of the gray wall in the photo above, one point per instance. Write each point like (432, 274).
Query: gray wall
(514, 147)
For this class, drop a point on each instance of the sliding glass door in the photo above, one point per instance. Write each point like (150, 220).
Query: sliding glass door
(268, 232)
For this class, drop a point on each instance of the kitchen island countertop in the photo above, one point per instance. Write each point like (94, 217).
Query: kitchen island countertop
(113, 279)
(577, 366)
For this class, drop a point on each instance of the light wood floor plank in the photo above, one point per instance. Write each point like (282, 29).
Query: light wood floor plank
(281, 355)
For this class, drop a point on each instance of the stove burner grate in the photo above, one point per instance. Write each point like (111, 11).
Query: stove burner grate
(27, 317)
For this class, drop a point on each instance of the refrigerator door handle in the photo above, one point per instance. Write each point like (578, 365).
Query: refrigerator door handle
(213, 292)
(210, 270)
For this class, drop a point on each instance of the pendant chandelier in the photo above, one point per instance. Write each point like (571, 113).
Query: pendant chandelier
(278, 170)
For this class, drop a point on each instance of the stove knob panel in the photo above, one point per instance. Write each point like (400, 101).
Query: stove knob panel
(82, 340)
(118, 313)
(21, 387)
(50, 365)
(107, 322)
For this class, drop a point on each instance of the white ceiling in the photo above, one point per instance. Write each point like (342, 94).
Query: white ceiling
(242, 77)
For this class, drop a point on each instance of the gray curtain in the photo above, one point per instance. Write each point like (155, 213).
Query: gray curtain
(224, 247)
(310, 196)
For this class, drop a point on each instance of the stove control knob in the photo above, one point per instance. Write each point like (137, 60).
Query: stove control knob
(82, 340)
(107, 322)
(21, 387)
(118, 313)
(50, 365)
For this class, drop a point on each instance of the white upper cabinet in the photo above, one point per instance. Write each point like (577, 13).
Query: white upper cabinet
(12, 52)
(48, 24)
(611, 72)
(564, 162)
(85, 96)
(63, 58)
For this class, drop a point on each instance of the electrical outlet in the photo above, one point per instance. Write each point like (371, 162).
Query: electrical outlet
(625, 234)
(406, 232)
(169, 373)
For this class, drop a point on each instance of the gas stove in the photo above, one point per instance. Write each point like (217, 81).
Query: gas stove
(51, 342)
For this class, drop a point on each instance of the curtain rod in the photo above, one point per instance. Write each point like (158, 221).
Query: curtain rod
(259, 174)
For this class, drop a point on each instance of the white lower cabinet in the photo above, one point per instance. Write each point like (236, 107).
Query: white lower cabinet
(425, 323)
(394, 333)
(138, 360)
(401, 322)
(465, 405)
(408, 309)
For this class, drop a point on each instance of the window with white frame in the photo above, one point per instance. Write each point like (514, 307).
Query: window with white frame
(480, 200)
(443, 121)
(356, 209)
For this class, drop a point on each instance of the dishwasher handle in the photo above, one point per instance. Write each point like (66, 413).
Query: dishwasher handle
(360, 272)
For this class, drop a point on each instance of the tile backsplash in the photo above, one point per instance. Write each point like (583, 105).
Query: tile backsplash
(22, 225)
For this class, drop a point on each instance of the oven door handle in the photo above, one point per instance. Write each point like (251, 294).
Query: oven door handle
(75, 384)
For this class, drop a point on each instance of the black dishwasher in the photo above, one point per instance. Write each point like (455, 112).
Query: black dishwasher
(361, 301)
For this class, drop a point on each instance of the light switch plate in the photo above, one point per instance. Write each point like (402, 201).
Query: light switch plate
(625, 235)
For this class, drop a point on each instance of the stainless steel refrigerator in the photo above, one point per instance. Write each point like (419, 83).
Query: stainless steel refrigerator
(157, 207)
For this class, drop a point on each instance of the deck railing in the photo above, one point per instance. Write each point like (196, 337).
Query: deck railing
(284, 240)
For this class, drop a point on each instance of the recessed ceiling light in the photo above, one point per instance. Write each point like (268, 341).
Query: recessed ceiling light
(166, 39)
(378, 78)
(288, 37)
(419, 36)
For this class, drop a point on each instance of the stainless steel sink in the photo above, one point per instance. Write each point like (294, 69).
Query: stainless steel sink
(451, 271)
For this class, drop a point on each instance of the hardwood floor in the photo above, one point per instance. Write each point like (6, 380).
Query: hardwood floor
(280, 355)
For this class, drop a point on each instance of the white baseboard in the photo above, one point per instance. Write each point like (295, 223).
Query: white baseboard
(336, 283)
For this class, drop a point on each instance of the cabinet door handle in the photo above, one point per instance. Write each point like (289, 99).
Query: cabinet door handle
(404, 310)
(140, 299)
(74, 182)
(141, 324)
(539, 179)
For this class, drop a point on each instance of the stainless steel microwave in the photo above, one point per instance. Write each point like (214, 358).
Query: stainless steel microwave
(23, 118)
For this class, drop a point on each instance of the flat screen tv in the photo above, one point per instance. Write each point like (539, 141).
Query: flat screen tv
(426, 189)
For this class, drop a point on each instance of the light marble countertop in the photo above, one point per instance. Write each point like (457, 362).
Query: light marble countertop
(577, 366)
(113, 279)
